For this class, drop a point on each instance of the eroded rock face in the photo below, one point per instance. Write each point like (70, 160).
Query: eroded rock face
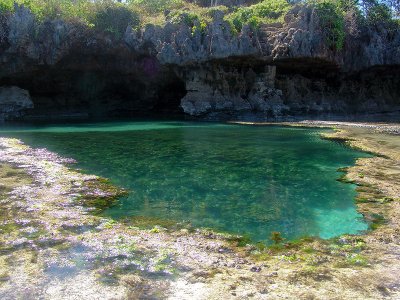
(280, 69)
(272, 92)
(374, 91)
(13, 102)
(179, 44)
(231, 89)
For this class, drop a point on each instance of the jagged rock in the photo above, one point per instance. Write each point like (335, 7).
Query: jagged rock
(230, 90)
(13, 102)
(281, 68)
(300, 37)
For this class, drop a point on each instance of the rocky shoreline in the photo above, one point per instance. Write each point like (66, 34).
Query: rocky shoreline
(54, 245)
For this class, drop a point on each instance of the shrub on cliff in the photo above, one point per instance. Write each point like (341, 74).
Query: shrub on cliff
(157, 6)
(266, 11)
(114, 19)
(377, 12)
(6, 5)
(183, 17)
(104, 15)
(336, 15)
(332, 22)
(53, 9)
(113, 16)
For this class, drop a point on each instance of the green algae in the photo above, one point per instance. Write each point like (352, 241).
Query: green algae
(376, 220)
(4, 269)
(11, 177)
(237, 179)
(21, 235)
(100, 194)
(8, 228)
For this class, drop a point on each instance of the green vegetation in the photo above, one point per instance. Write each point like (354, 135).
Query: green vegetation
(10, 178)
(376, 220)
(158, 6)
(104, 15)
(336, 15)
(101, 194)
(267, 11)
(6, 5)
(113, 16)
(357, 260)
(331, 16)
(115, 19)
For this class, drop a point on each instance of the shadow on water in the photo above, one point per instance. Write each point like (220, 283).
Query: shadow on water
(239, 179)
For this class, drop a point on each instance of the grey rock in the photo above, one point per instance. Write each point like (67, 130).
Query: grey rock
(256, 269)
(13, 102)
(232, 90)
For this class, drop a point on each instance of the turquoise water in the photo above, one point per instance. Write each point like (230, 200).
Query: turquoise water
(241, 179)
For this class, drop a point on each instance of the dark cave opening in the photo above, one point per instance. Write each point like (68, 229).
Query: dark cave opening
(64, 94)
(169, 97)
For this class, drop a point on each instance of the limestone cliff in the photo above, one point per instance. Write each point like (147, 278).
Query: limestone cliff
(279, 69)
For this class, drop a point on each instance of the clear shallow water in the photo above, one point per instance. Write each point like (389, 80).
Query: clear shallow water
(239, 179)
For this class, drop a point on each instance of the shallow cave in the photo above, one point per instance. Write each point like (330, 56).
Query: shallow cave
(169, 97)
(92, 94)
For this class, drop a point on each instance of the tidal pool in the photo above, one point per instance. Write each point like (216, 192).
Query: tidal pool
(248, 180)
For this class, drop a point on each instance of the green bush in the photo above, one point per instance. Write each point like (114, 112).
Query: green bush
(332, 22)
(347, 5)
(6, 5)
(379, 13)
(103, 15)
(184, 17)
(157, 6)
(56, 9)
(266, 11)
(115, 19)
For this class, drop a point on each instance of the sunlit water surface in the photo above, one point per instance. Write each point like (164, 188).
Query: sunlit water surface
(239, 179)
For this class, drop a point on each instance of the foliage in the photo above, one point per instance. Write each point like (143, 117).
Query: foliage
(266, 11)
(202, 27)
(52, 9)
(157, 6)
(377, 12)
(113, 16)
(346, 5)
(331, 17)
(6, 5)
(115, 19)
(183, 17)
(357, 260)
(104, 15)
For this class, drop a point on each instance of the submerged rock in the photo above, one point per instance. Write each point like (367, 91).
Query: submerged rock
(13, 102)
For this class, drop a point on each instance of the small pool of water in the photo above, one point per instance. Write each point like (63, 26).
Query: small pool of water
(241, 179)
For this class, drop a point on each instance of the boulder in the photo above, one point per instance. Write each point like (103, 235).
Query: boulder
(13, 102)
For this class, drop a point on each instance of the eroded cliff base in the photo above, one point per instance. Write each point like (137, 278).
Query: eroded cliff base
(220, 90)
(278, 70)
